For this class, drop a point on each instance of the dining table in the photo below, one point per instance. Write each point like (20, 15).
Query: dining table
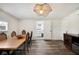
(13, 43)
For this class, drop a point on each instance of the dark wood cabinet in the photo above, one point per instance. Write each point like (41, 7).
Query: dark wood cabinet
(71, 41)
(68, 41)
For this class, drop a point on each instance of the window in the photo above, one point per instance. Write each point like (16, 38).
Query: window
(3, 26)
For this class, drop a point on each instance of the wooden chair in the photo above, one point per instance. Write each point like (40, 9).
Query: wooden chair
(25, 44)
(28, 35)
(30, 38)
(3, 36)
(23, 32)
(27, 41)
(13, 34)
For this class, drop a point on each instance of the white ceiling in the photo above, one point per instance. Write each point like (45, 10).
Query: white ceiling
(25, 10)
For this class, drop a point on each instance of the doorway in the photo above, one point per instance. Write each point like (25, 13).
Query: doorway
(43, 29)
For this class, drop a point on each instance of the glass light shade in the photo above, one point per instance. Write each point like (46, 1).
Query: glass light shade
(41, 12)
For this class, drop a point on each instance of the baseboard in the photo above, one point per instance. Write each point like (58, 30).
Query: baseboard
(47, 39)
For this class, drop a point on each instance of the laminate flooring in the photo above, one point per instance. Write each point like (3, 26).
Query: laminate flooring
(48, 47)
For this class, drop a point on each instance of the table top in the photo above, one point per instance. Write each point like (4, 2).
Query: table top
(11, 44)
(71, 34)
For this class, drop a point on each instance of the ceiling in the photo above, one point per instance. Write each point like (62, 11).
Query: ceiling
(25, 10)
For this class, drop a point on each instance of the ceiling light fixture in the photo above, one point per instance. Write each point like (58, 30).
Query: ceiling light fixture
(42, 9)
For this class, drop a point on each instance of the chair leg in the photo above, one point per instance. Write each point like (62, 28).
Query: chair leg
(30, 44)
(0, 52)
(4, 51)
(28, 48)
(8, 52)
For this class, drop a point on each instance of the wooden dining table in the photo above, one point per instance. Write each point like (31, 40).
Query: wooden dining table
(12, 44)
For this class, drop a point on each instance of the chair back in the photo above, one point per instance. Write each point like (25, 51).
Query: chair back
(13, 34)
(31, 34)
(27, 35)
(23, 32)
(3, 36)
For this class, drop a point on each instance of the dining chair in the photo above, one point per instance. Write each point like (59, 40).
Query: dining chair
(27, 40)
(30, 38)
(3, 36)
(25, 45)
(23, 32)
(22, 46)
(13, 34)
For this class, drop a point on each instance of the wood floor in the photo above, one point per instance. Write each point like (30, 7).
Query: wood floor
(45, 47)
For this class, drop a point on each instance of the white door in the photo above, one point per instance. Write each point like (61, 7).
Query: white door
(43, 29)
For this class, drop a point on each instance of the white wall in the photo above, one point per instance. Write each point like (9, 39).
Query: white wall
(56, 29)
(12, 22)
(47, 29)
(30, 24)
(70, 23)
(27, 24)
